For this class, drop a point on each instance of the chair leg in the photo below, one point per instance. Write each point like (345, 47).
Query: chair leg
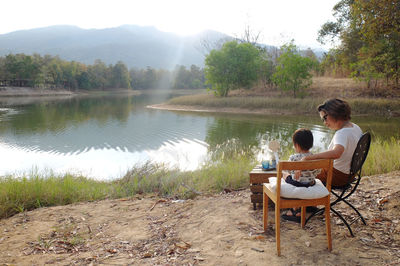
(339, 198)
(303, 216)
(278, 229)
(314, 213)
(265, 211)
(344, 221)
(354, 208)
(328, 226)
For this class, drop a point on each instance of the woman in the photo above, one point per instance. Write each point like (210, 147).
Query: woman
(336, 115)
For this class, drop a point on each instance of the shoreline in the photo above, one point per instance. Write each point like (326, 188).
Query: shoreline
(20, 96)
(231, 110)
(32, 92)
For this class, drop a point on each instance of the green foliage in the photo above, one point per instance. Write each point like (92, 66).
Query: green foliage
(369, 32)
(179, 78)
(365, 69)
(293, 70)
(266, 70)
(235, 65)
(383, 156)
(120, 76)
(19, 194)
(51, 72)
(378, 21)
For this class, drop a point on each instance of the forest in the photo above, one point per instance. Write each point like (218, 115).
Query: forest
(51, 72)
(368, 33)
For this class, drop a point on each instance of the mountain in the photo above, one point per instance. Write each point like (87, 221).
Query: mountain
(136, 46)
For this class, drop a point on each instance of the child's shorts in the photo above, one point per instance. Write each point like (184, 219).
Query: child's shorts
(296, 183)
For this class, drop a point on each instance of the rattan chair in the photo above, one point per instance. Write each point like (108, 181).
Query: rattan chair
(342, 193)
(283, 203)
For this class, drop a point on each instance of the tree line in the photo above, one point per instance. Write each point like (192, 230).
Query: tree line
(236, 64)
(51, 72)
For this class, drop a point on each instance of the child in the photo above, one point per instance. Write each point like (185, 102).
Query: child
(302, 142)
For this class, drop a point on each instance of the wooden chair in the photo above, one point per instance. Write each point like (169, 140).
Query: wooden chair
(341, 193)
(283, 203)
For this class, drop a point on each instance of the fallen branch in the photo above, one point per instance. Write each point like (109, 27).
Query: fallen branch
(158, 201)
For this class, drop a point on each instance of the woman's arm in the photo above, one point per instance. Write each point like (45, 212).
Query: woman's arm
(335, 153)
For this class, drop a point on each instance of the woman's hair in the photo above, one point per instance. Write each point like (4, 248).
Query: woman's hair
(336, 108)
(304, 138)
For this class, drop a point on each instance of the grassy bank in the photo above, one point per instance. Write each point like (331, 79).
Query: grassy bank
(231, 172)
(307, 105)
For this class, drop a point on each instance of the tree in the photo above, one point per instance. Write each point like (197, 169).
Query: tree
(369, 32)
(232, 67)
(21, 66)
(182, 78)
(249, 36)
(120, 76)
(196, 77)
(98, 75)
(379, 24)
(293, 70)
(150, 78)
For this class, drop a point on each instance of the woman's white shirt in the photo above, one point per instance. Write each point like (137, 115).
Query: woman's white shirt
(348, 138)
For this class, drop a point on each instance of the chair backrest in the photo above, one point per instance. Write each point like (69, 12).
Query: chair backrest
(360, 153)
(306, 165)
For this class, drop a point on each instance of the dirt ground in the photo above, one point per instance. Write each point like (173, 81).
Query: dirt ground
(220, 229)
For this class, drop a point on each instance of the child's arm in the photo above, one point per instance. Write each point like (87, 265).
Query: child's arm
(285, 174)
(297, 174)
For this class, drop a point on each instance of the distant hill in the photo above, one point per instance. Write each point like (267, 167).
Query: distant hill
(136, 46)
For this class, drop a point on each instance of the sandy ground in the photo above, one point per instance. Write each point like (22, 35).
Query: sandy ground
(220, 229)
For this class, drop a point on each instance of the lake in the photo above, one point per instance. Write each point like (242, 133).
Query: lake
(104, 136)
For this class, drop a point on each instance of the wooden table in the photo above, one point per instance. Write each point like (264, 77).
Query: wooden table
(258, 176)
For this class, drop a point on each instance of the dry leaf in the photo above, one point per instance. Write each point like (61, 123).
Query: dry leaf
(383, 201)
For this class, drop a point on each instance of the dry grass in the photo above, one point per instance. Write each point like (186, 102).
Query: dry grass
(337, 87)
(326, 87)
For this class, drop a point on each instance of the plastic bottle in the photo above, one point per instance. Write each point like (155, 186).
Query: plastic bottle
(265, 160)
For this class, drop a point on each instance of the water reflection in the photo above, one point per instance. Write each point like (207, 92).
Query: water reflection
(253, 130)
(104, 136)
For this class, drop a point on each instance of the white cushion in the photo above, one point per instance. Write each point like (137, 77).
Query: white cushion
(293, 192)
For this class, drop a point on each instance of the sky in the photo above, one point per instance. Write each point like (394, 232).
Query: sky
(277, 21)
